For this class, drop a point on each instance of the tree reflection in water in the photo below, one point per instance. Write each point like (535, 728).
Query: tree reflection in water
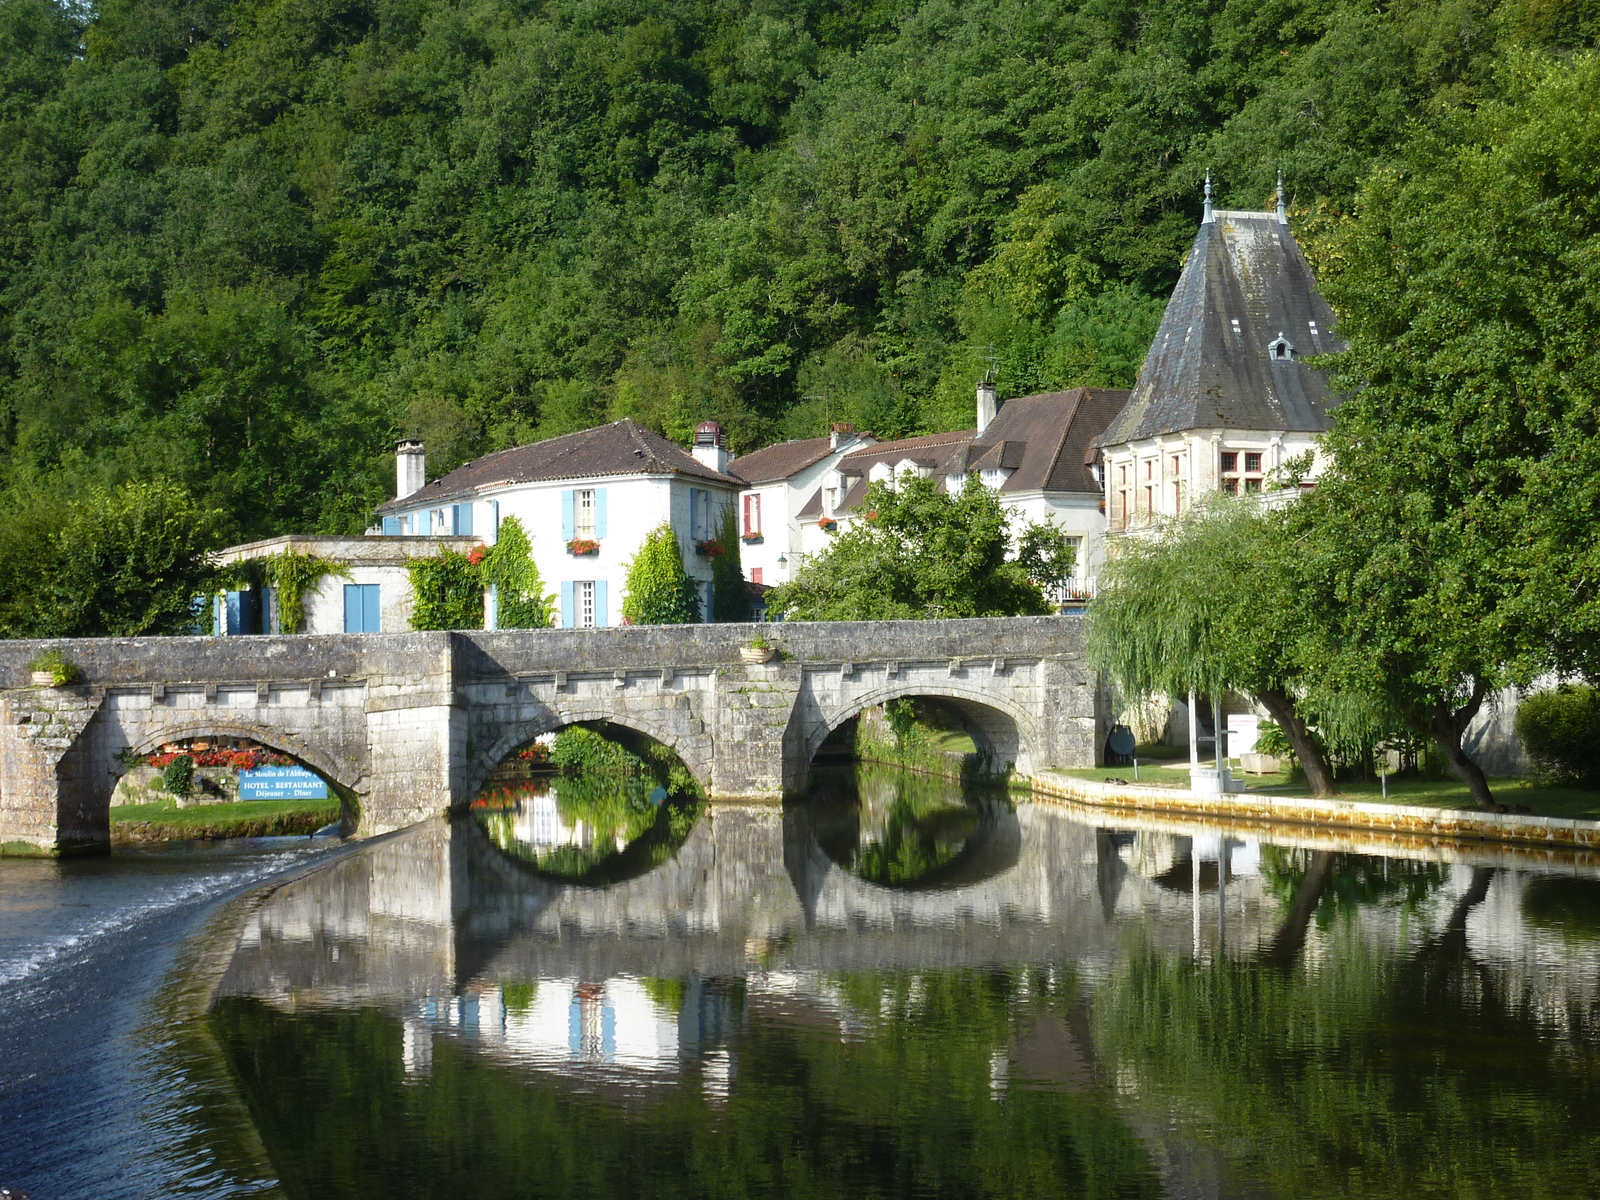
(588, 827)
(899, 828)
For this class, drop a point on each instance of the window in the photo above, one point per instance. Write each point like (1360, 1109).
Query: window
(1235, 480)
(1280, 349)
(830, 500)
(1150, 500)
(461, 519)
(361, 614)
(585, 597)
(755, 575)
(752, 515)
(584, 500)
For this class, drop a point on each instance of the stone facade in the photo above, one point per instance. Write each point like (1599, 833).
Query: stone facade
(408, 725)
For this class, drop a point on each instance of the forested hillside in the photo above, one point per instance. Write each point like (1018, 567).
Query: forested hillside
(244, 246)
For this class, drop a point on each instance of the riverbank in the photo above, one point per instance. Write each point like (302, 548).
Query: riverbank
(132, 824)
(1395, 816)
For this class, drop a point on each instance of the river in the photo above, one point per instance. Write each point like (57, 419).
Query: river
(897, 988)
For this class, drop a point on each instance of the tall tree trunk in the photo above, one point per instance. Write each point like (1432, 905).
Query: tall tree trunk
(1445, 727)
(1281, 706)
(1292, 933)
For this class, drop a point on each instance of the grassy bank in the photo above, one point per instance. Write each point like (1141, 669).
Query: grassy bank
(249, 818)
(1168, 766)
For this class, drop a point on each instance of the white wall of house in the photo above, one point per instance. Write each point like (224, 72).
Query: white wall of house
(1148, 480)
(784, 534)
(621, 510)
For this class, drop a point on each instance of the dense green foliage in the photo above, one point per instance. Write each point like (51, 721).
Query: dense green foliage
(520, 598)
(1560, 731)
(446, 592)
(292, 575)
(658, 591)
(917, 552)
(730, 594)
(115, 562)
(580, 749)
(243, 245)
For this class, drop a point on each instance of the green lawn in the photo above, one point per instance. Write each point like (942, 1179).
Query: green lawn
(1158, 770)
(248, 818)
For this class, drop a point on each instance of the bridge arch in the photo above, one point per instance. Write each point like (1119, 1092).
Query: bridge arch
(1003, 730)
(553, 717)
(149, 740)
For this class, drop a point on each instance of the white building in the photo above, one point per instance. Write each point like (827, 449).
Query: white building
(586, 500)
(1036, 451)
(780, 478)
(1225, 396)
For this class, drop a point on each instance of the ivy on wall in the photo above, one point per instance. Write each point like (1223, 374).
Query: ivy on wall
(293, 575)
(659, 591)
(510, 569)
(446, 592)
(730, 595)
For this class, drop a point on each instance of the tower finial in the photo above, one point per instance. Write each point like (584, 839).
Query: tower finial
(1283, 213)
(1206, 219)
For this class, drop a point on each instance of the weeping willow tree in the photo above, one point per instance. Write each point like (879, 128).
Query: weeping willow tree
(520, 598)
(1209, 605)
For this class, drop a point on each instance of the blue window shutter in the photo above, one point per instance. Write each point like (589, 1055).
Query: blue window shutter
(694, 513)
(352, 608)
(600, 613)
(391, 526)
(569, 522)
(710, 613)
(599, 513)
(464, 520)
(425, 523)
(567, 612)
(371, 616)
(494, 521)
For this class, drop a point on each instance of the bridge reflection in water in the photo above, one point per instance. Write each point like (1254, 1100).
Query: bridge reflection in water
(1134, 967)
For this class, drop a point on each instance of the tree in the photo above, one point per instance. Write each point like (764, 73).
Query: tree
(1455, 543)
(730, 594)
(1211, 604)
(521, 602)
(916, 552)
(658, 589)
(1049, 557)
(127, 562)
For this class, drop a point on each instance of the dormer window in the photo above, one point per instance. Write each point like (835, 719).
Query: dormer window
(1280, 348)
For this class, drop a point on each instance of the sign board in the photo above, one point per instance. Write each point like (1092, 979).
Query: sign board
(281, 783)
(1243, 730)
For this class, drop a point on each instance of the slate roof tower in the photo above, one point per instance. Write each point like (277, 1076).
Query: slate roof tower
(1225, 395)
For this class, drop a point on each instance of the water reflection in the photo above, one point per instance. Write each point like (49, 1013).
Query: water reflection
(1034, 1002)
(592, 829)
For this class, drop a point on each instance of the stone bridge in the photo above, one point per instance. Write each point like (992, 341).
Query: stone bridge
(410, 724)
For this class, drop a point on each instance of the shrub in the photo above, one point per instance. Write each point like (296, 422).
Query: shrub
(1560, 730)
(659, 590)
(446, 592)
(178, 776)
(294, 576)
(522, 603)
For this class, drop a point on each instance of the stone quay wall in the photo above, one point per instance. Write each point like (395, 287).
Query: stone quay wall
(409, 725)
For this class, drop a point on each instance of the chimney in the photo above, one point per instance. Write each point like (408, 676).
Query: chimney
(410, 467)
(988, 405)
(842, 431)
(710, 446)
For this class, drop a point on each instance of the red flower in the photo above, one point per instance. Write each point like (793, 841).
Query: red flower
(476, 554)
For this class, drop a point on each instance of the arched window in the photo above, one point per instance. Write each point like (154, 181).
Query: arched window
(1280, 348)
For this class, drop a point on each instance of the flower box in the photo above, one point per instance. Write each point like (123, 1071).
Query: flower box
(709, 548)
(827, 525)
(42, 678)
(582, 546)
(752, 539)
(755, 654)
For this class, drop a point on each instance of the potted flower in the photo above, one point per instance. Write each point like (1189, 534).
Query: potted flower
(51, 669)
(708, 548)
(756, 650)
(827, 525)
(751, 539)
(582, 546)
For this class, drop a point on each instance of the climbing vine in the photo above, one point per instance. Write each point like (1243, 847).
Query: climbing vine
(446, 592)
(509, 567)
(659, 590)
(293, 575)
(730, 595)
